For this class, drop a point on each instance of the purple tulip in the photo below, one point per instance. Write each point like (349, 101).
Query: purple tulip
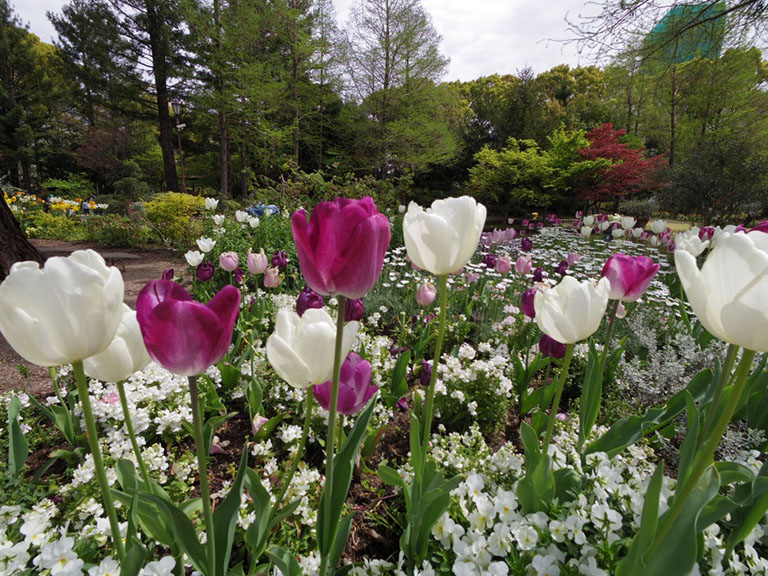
(353, 310)
(490, 261)
(629, 276)
(279, 260)
(527, 303)
(572, 258)
(168, 274)
(205, 271)
(551, 347)
(238, 274)
(341, 249)
(181, 334)
(526, 244)
(426, 373)
(307, 299)
(562, 268)
(538, 274)
(355, 388)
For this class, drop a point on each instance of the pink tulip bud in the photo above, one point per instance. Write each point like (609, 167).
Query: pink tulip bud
(523, 265)
(426, 293)
(228, 261)
(504, 264)
(629, 276)
(257, 422)
(257, 263)
(272, 278)
(572, 258)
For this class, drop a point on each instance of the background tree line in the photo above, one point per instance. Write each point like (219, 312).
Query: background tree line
(273, 88)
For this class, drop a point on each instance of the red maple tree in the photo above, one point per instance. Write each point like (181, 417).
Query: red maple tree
(628, 173)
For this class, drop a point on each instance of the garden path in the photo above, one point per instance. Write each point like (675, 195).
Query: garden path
(137, 267)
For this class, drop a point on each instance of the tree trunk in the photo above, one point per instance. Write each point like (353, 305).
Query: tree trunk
(159, 46)
(14, 244)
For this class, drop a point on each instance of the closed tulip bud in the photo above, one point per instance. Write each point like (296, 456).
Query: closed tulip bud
(194, 258)
(443, 238)
(627, 222)
(205, 245)
(238, 274)
(341, 248)
(572, 258)
(526, 244)
(539, 274)
(637, 233)
(353, 309)
(183, 335)
(205, 272)
(219, 219)
(211, 203)
(561, 268)
(523, 265)
(425, 374)
(355, 388)
(279, 260)
(729, 295)
(658, 226)
(550, 347)
(629, 276)
(618, 233)
(65, 312)
(253, 222)
(572, 310)
(490, 261)
(586, 231)
(589, 221)
(125, 355)
(504, 264)
(272, 278)
(168, 274)
(301, 349)
(426, 293)
(307, 299)
(257, 263)
(527, 302)
(242, 216)
(228, 261)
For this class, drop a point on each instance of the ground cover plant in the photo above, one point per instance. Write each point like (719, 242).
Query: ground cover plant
(552, 398)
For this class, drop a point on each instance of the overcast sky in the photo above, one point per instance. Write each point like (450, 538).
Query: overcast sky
(481, 37)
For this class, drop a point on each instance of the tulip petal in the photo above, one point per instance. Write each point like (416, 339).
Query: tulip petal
(288, 365)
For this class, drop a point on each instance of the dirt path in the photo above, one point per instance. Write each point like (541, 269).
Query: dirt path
(137, 268)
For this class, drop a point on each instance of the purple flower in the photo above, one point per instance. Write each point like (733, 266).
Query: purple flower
(629, 276)
(279, 260)
(526, 244)
(353, 310)
(551, 347)
(355, 388)
(204, 271)
(307, 299)
(168, 274)
(490, 261)
(504, 264)
(341, 248)
(426, 373)
(538, 274)
(761, 227)
(527, 302)
(562, 268)
(183, 335)
(426, 293)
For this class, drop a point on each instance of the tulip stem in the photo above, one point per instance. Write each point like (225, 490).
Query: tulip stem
(558, 394)
(609, 333)
(299, 452)
(330, 442)
(98, 461)
(730, 357)
(705, 456)
(132, 435)
(202, 470)
(428, 405)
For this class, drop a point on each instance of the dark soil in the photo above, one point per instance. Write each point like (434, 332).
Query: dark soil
(137, 268)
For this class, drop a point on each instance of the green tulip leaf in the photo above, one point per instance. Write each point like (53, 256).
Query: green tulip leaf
(284, 560)
(226, 515)
(398, 384)
(591, 396)
(345, 525)
(18, 448)
(183, 532)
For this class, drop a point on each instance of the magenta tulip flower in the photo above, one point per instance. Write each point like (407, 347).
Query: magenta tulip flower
(354, 310)
(204, 272)
(183, 335)
(629, 276)
(526, 302)
(551, 347)
(307, 299)
(761, 227)
(355, 388)
(341, 248)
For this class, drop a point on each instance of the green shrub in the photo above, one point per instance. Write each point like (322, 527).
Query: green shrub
(56, 227)
(172, 218)
(72, 187)
(113, 231)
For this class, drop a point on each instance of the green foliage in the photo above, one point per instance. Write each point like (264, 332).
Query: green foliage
(172, 217)
(56, 227)
(113, 231)
(72, 187)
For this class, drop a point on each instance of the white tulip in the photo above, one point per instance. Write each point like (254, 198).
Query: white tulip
(658, 226)
(443, 238)
(219, 219)
(586, 231)
(654, 241)
(211, 203)
(301, 349)
(604, 225)
(729, 295)
(691, 243)
(63, 313)
(617, 233)
(126, 354)
(206, 244)
(589, 220)
(253, 222)
(572, 310)
(242, 216)
(637, 233)
(628, 222)
(194, 258)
